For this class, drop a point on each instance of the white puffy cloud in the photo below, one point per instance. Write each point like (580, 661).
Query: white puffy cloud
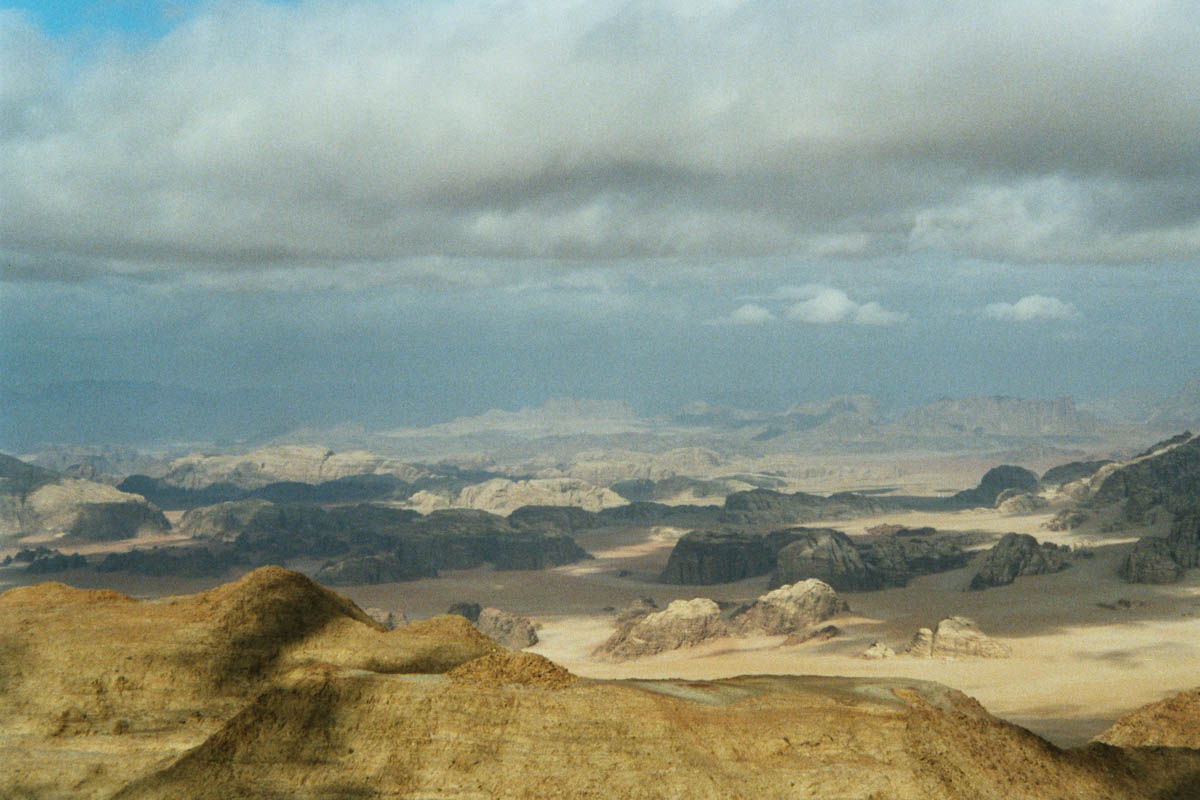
(255, 135)
(1031, 308)
(823, 305)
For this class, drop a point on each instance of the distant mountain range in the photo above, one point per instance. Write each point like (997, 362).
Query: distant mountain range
(152, 415)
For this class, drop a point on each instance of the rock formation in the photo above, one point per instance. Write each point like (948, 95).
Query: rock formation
(1018, 554)
(302, 464)
(993, 483)
(908, 554)
(1156, 559)
(506, 629)
(1173, 722)
(789, 609)
(275, 687)
(683, 623)
(1016, 501)
(828, 555)
(388, 619)
(707, 557)
(1072, 471)
(1166, 476)
(38, 502)
(878, 651)
(956, 637)
(361, 570)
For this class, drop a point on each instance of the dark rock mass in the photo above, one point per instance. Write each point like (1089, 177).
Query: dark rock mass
(1156, 559)
(372, 569)
(1167, 477)
(707, 557)
(993, 482)
(104, 522)
(1018, 554)
(899, 560)
(467, 610)
(829, 555)
(1072, 471)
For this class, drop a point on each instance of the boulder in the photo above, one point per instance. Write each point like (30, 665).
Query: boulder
(877, 651)
(683, 623)
(1019, 554)
(898, 560)
(828, 555)
(506, 629)
(790, 609)
(956, 637)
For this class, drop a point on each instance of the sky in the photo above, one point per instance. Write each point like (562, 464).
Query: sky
(404, 212)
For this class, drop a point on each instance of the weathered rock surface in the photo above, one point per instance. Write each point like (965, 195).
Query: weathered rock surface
(878, 651)
(302, 464)
(994, 482)
(362, 570)
(708, 557)
(828, 555)
(1018, 554)
(1166, 476)
(683, 623)
(506, 629)
(904, 556)
(1072, 471)
(38, 502)
(1173, 722)
(789, 609)
(956, 637)
(1016, 501)
(1164, 560)
(274, 687)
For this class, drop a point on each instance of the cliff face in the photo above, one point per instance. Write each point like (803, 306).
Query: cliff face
(1167, 476)
(39, 502)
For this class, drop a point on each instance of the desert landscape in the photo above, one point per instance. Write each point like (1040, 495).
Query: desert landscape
(639, 399)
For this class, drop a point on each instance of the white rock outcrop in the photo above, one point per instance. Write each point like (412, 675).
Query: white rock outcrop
(956, 637)
(790, 609)
(683, 623)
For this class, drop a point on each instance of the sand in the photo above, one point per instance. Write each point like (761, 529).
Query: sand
(1076, 665)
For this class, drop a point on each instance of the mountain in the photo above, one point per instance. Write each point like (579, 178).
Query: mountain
(999, 416)
(43, 503)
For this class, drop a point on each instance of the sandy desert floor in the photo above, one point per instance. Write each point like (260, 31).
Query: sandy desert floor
(1076, 665)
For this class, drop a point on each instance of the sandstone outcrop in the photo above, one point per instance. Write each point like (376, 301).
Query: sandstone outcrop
(506, 629)
(828, 555)
(993, 483)
(388, 619)
(1164, 560)
(36, 502)
(1016, 501)
(683, 623)
(878, 651)
(905, 555)
(1018, 554)
(956, 637)
(789, 609)
(303, 464)
(1166, 476)
(708, 557)
(1173, 722)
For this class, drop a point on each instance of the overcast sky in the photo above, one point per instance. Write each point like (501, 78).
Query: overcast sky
(468, 204)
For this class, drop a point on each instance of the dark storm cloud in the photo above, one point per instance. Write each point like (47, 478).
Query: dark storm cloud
(253, 136)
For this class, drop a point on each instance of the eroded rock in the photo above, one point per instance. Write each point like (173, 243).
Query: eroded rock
(790, 609)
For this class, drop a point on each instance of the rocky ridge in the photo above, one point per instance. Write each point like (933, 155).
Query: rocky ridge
(1018, 554)
(274, 687)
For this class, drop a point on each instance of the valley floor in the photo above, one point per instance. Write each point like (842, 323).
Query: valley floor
(1080, 658)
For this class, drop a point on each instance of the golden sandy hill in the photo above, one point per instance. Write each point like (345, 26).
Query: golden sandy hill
(273, 686)
(1173, 722)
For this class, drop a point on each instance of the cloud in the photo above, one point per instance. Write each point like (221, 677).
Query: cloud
(259, 135)
(747, 314)
(1034, 307)
(823, 305)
